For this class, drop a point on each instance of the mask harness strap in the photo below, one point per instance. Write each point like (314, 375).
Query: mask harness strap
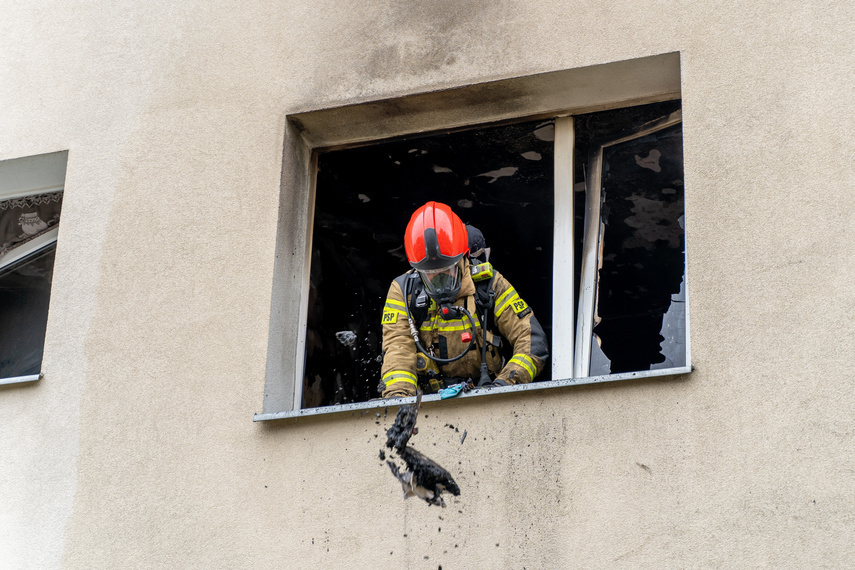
(485, 374)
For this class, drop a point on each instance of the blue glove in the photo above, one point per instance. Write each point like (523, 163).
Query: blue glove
(451, 391)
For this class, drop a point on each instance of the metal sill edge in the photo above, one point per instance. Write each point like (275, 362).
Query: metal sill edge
(21, 379)
(375, 404)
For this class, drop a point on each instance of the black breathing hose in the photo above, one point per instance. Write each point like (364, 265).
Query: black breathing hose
(485, 374)
(415, 333)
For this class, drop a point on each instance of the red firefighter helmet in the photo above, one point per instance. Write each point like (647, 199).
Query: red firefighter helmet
(435, 242)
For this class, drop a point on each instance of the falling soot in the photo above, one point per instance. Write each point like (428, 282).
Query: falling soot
(347, 338)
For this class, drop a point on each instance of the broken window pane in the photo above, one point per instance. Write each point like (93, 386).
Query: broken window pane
(499, 179)
(639, 315)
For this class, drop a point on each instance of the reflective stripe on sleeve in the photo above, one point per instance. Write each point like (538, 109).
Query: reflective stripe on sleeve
(505, 300)
(395, 306)
(391, 311)
(399, 376)
(526, 362)
(502, 297)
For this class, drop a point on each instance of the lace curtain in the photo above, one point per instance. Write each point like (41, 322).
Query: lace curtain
(24, 219)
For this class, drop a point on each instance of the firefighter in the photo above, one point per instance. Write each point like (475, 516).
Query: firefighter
(446, 319)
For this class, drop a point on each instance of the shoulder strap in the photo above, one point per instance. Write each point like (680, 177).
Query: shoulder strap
(418, 301)
(484, 295)
(485, 299)
(482, 275)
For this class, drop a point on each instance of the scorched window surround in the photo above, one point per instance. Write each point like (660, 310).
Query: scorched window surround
(621, 89)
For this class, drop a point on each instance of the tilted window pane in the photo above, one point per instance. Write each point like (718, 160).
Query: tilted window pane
(24, 298)
(641, 298)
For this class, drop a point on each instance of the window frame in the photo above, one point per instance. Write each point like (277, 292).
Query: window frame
(555, 95)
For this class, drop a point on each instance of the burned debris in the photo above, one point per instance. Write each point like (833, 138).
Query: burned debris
(404, 427)
(423, 477)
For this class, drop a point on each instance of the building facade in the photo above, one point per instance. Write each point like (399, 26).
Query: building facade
(168, 423)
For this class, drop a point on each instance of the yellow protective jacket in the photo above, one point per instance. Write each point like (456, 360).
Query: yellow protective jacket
(510, 317)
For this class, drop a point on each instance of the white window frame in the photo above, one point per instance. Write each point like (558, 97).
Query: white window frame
(556, 95)
(31, 176)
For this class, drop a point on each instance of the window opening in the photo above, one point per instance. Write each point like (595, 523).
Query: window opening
(24, 299)
(623, 226)
(31, 192)
(28, 230)
(499, 179)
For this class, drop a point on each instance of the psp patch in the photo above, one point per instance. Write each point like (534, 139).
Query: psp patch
(389, 317)
(519, 306)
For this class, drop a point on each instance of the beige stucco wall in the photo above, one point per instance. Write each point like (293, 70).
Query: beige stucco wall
(138, 448)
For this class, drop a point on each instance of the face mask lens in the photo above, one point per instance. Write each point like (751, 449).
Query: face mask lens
(440, 281)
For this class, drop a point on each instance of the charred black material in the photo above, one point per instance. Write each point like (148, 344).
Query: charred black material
(423, 477)
(428, 473)
(399, 434)
(396, 471)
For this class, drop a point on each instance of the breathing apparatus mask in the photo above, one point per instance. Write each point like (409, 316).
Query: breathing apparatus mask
(443, 284)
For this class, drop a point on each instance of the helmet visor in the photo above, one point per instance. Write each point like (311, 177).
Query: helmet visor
(443, 283)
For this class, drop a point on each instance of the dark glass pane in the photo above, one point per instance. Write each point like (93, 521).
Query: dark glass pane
(24, 298)
(500, 179)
